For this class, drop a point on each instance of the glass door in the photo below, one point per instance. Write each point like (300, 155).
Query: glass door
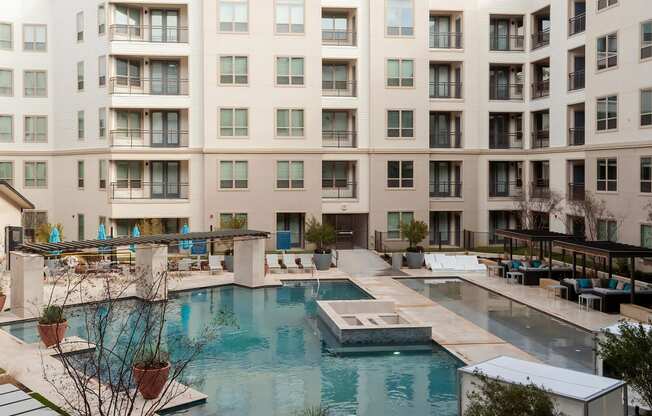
(164, 25)
(165, 179)
(165, 128)
(165, 77)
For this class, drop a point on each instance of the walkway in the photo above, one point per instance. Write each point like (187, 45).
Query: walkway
(14, 401)
(362, 263)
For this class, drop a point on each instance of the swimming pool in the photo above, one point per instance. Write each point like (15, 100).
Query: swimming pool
(551, 340)
(276, 363)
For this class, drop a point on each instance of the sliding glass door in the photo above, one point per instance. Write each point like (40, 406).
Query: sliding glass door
(165, 179)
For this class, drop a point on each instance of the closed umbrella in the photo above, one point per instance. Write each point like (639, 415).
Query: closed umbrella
(185, 244)
(55, 237)
(101, 235)
(134, 233)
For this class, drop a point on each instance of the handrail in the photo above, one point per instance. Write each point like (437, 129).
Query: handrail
(146, 138)
(137, 189)
(447, 89)
(339, 138)
(148, 86)
(334, 88)
(145, 33)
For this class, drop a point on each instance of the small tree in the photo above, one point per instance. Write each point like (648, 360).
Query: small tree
(629, 355)
(415, 232)
(494, 398)
(530, 211)
(44, 230)
(234, 222)
(321, 235)
(151, 226)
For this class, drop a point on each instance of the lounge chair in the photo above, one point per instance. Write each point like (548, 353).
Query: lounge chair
(431, 262)
(290, 262)
(273, 262)
(306, 261)
(215, 263)
(447, 262)
(185, 265)
(470, 264)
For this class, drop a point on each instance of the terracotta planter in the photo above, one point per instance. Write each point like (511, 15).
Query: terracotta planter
(3, 299)
(150, 382)
(52, 334)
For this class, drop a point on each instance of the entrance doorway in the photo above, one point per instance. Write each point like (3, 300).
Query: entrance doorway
(350, 230)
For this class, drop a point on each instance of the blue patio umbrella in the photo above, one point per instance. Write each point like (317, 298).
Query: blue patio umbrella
(101, 235)
(55, 237)
(185, 244)
(134, 233)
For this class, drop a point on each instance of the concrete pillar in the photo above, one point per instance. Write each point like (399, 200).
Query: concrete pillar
(249, 261)
(26, 284)
(151, 268)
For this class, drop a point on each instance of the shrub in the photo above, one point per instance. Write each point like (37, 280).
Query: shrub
(321, 235)
(150, 358)
(51, 314)
(415, 232)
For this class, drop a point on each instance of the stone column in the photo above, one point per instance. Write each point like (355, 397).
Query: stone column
(26, 284)
(151, 268)
(249, 261)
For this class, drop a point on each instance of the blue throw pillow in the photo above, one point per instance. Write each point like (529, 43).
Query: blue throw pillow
(536, 263)
(516, 264)
(627, 287)
(613, 283)
(584, 283)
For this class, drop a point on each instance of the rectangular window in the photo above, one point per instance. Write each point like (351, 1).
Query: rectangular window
(35, 175)
(289, 174)
(234, 122)
(129, 174)
(607, 230)
(289, 123)
(394, 221)
(607, 117)
(6, 129)
(101, 19)
(6, 82)
(6, 36)
(606, 3)
(34, 37)
(101, 70)
(400, 123)
(102, 174)
(127, 72)
(289, 71)
(646, 39)
(7, 172)
(646, 108)
(289, 16)
(80, 227)
(226, 219)
(400, 174)
(80, 76)
(400, 72)
(234, 174)
(101, 123)
(607, 175)
(80, 174)
(646, 174)
(646, 235)
(36, 129)
(80, 26)
(80, 125)
(234, 70)
(399, 18)
(35, 83)
(234, 15)
(607, 51)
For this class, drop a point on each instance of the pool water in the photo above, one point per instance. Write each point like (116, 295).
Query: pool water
(276, 363)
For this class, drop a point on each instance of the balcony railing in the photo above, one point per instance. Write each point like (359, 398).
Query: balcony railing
(339, 88)
(540, 139)
(507, 43)
(540, 189)
(338, 138)
(445, 40)
(576, 136)
(506, 141)
(445, 139)
(148, 86)
(445, 189)
(540, 89)
(540, 39)
(577, 24)
(338, 189)
(445, 90)
(506, 189)
(148, 138)
(137, 189)
(338, 37)
(498, 91)
(576, 80)
(576, 191)
(154, 34)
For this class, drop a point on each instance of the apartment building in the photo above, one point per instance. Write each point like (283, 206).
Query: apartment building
(361, 113)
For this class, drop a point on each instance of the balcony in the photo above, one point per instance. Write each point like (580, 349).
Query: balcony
(139, 190)
(445, 40)
(445, 139)
(148, 138)
(540, 39)
(576, 136)
(148, 86)
(576, 192)
(153, 34)
(339, 138)
(445, 189)
(507, 43)
(505, 92)
(446, 90)
(333, 37)
(540, 89)
(576, 80)
(577, 24)
(506, 140)
(540, 189)
(338, 189)
(506, 189)
(506, 33)
(338, 27)
(540, 139)
(339, 88)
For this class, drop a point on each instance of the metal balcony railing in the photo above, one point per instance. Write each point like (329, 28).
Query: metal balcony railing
(506, 140)
(576, 80)
(576, 191)
(540, 89)
(577, 24)
(148, 138)
(445, 139)
(445, 40)
(540, 189)
(338, 37)
(154, 34)
(576, 136)
(339, 88)
(148, 86)
(507, 43)
(445, 189)
(338, 189)
(137, 189)
(339, 138)
(540, 139)
(499, 91)
(505, 189)
(445, 90)
(540, 39)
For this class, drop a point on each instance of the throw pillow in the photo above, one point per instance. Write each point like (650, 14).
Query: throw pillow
(613, 283)
(627, 287)
(619, 285)
(584, 283)
(536, 263)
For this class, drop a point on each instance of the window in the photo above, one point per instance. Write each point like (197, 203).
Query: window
(80, 26)
(129, 174)
(646, 174)
(6, 82)
(80, 124)
(607, 113)
(289, 123)
(289, 16)
(101, 19)
(394, 221)
(80, 76)
(234, 122)
(289, 174)
(36, 129)
(606, 3)
(399, 18)
(127, 72)
(34, 37)
(400, 72)
(101, 123)
(226, 219)
(607, 230)
(127, 21)
(607, 175)
(234, 174)
(234, 70)
(32, 221)
(289, 71)
(607, 51)
(646, 39)
(101, 70)
(102, 174)
(35, 175)
(35, 83)
(128, 123)
(80, 227)
(80, 174)
(646, 107)
(234, 15)
(400, 123)
(646, 235)
(7, 172)
(400, 174)
(293, 222)
(6, 128)
(6, 36)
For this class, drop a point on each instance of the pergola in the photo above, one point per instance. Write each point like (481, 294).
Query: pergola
(607, 250)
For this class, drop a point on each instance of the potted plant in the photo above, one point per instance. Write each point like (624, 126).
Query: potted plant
(151, 370)
(52, 325)
(321, 235)
(232, 223)
(415, 232)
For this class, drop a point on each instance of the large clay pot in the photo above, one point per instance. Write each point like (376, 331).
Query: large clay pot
(52, 334)
(3, 299)
(414, 260)
(322, 260)
(151, 382)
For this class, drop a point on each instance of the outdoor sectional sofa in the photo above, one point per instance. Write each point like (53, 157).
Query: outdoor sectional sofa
(535, 270)
(612, 295)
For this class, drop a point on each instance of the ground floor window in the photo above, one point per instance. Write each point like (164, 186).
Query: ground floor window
(294, 223)
(646, 235)
(607, 230)
(31, 221)
(227, 219)
(394, 221)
